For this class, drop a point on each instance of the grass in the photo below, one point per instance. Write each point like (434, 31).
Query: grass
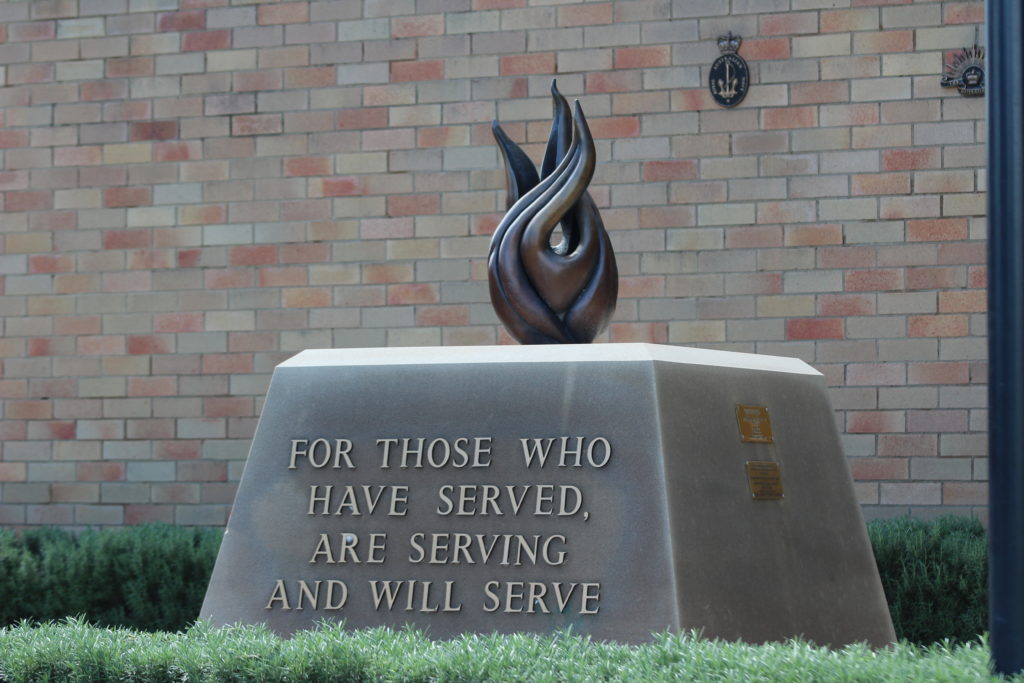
(75, 651)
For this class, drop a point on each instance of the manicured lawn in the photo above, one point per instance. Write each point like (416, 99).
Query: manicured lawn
(75, 651)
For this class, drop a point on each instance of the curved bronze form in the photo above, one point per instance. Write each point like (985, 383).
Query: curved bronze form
(544, 294)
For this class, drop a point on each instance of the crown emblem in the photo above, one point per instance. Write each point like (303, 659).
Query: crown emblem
(729, 44)
(966, 72)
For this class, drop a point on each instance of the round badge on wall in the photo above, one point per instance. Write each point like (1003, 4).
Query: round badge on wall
(729, 78)
(967, 72)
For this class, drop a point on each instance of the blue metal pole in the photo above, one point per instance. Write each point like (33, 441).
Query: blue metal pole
(1005, 94)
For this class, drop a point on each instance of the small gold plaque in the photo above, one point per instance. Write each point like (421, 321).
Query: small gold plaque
(754, 423)
(765, 480)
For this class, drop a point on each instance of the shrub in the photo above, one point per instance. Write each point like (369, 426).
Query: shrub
(935, 576)
(79, 652)
(151, 577)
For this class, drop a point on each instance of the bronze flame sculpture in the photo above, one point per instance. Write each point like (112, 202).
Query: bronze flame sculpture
(544, 294)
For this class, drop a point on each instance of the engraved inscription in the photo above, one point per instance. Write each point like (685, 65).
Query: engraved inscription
(754, 424)
(765, 480)
(403, 561)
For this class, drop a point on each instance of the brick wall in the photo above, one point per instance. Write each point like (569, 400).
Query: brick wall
(191, 192)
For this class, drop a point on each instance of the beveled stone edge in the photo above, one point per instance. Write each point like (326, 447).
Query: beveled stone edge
(545, 353)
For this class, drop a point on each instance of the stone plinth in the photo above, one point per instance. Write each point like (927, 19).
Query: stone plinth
(681, 488)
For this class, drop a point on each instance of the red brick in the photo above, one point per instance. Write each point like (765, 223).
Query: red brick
(202, 471)
(32, 30)
(359, 119)
(227, 363)
(176, 151)
(873, 280)
(884, 41)
(254, 255)
(78, 156)
(425, 70)
(875, 374)
(149, 344)
(307, 166)
(416, 293)
(614, 81)
(586, 15)
(29, 200)
(643, 57)
(846, 257)
(126, 239)
(819, 92)
(874, 469)
(306, 297)
(152, 386)
(128, 67)
(246, 81)
(256, 124)
(789, 117)
(81, 324)
(813, 235)
(939, 373)
(536, 63)
(790, 23)
(649, 333)
(908, 159)
(145, 514)
(765, 48)
(181, 21)
(13, 471)
(118, 197)
(200, 41)
(814, 328)
(937, 229)
(443, 315)
(937, 326)
(311, 77)
(654, 171)
(964, 13)
(177, 450)
(414, 204)
(227, 406)
(104, 90)
(341, 186)
(29, 410)
(202, 215)
(934, 278)
(100, 471)
(153, 130)
(845, 304)
(283, 13)
(615, 127)
(317, 252)
(973, 252)
(227, 278)
(965, 492)
(417, 26)
(972, 301)
(282, 277)
(875, 421)
(880, 183)
(47, 263)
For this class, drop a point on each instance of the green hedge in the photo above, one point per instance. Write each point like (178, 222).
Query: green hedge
(153, 577)
(150, 577)
(78, 652)
(935, 576)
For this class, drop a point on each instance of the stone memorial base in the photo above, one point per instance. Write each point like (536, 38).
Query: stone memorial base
(618, 489)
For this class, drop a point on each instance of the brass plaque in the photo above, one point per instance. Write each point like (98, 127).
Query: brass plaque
(765, 479)
(754, 423)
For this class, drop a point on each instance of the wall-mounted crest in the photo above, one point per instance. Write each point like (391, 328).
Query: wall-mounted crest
(729, 78)
(967, 72)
